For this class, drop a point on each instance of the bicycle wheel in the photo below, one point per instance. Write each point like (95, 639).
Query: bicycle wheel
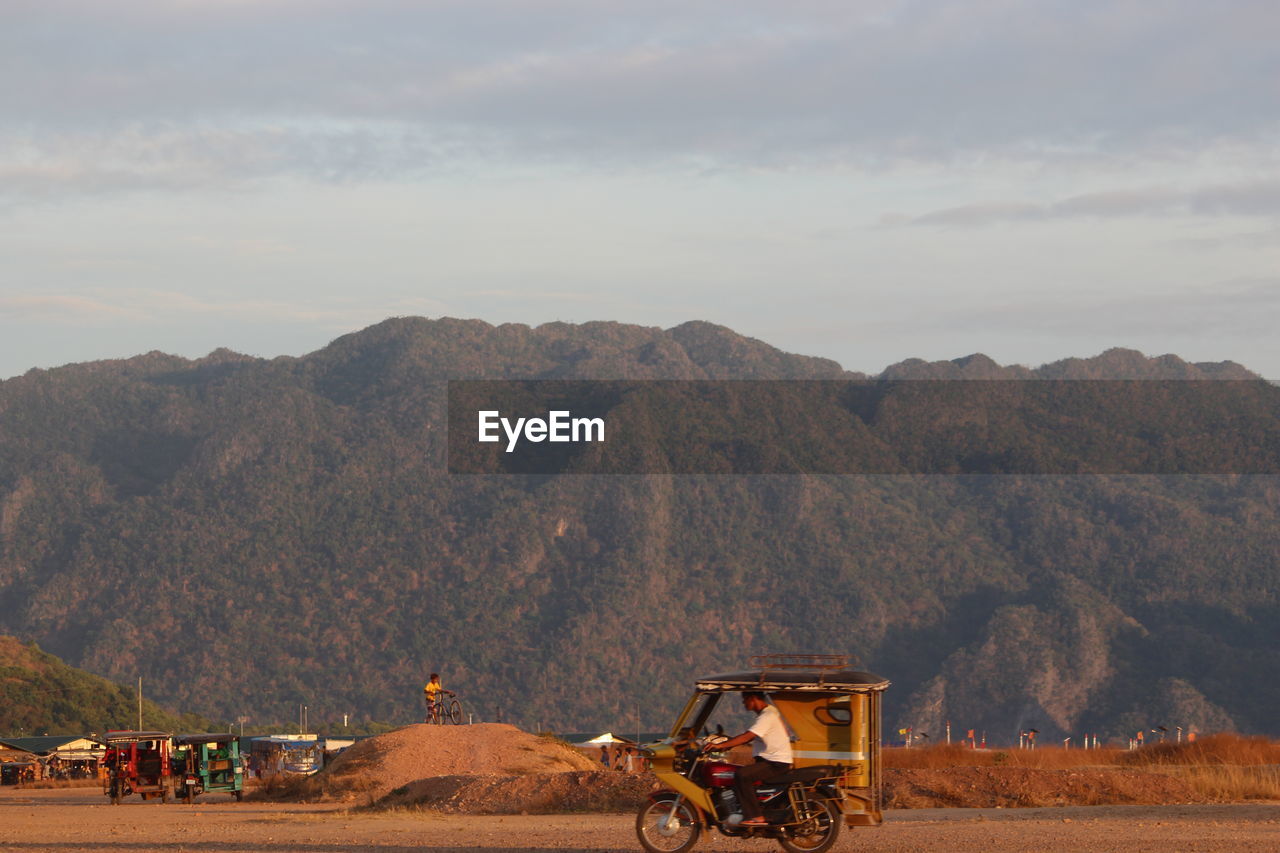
(453, 712)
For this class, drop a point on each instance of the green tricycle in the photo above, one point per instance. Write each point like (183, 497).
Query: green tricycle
(208, 764)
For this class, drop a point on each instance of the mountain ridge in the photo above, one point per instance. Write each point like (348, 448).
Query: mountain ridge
(703, 337)
(285, 524)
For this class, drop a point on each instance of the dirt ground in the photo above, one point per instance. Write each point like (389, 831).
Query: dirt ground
(69, 820)
(498, 769)
(1021, 787)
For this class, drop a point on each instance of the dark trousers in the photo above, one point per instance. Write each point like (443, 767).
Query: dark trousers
(745, 779)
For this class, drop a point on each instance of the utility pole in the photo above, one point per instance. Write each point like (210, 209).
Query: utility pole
(139, 703)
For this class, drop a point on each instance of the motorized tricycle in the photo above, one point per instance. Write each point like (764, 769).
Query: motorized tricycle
(137, 763)
(208, 764)
(833, 712)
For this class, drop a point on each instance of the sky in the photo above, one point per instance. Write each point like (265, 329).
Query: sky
(867, 181)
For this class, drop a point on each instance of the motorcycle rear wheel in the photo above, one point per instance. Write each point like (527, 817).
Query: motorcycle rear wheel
(668, 826)
(817, 830)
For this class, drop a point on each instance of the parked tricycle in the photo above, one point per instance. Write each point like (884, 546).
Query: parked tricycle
(208, 764)
(137, 763)
(833, 713)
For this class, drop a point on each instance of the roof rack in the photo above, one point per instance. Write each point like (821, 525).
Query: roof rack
(824, 663)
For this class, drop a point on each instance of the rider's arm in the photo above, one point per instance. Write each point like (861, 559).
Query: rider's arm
(726, 745)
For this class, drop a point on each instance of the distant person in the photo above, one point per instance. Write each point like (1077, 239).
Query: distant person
(604, 756)
(431, 695)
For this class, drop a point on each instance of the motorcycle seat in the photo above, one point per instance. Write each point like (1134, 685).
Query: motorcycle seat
(804, 774)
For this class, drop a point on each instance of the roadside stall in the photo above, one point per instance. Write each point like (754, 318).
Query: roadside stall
(295, 755)
(16, 765)
(59, 756)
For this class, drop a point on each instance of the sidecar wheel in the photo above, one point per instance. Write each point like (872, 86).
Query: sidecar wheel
(818, 829)
(668, 826)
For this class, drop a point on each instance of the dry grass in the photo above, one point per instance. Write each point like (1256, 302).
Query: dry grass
(1207, 750)
(1046, 758)
(1220, 768)
(282, 786)
(1224, 767)
(1227, 783)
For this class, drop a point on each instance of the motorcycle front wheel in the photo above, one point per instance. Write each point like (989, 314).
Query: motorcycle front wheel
(669, 826)
(817, 829)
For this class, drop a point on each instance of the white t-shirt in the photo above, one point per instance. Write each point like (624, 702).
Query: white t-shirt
(773, 742)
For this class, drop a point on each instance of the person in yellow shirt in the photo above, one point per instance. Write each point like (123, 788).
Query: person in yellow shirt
(431, 695)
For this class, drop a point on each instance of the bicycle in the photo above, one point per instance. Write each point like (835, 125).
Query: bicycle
(444, 711)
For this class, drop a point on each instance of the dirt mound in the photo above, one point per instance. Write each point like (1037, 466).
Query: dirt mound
(372, 768)
(554, 793)
(1009, 787)
(955, 787)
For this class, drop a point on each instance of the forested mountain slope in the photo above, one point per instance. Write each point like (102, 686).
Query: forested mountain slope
(41, 695)
(287, 527)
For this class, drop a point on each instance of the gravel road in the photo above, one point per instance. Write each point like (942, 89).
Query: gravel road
(79, 819)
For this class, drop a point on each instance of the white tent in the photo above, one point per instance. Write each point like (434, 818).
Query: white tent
(606, 739)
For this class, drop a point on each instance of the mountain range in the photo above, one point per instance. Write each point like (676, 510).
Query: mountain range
(249, 535)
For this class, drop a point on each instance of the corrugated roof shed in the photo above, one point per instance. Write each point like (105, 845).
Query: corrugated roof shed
(39, 745)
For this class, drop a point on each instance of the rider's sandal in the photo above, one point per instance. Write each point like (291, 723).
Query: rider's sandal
(755, 821)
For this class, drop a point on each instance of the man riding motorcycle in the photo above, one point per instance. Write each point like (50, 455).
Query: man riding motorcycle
(771, 745)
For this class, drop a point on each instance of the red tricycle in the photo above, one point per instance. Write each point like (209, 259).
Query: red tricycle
(137, 763)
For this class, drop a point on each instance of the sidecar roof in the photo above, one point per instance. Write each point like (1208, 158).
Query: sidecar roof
(114, 737)
(806, 680)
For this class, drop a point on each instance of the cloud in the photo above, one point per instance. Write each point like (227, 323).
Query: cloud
(1229, 311)
(150, 307)
(1266, 239)
(190, 157)
(753, 83)
(1255, 198)
(72, 309)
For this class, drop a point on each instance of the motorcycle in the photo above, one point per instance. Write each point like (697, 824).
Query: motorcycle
(801, 807)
